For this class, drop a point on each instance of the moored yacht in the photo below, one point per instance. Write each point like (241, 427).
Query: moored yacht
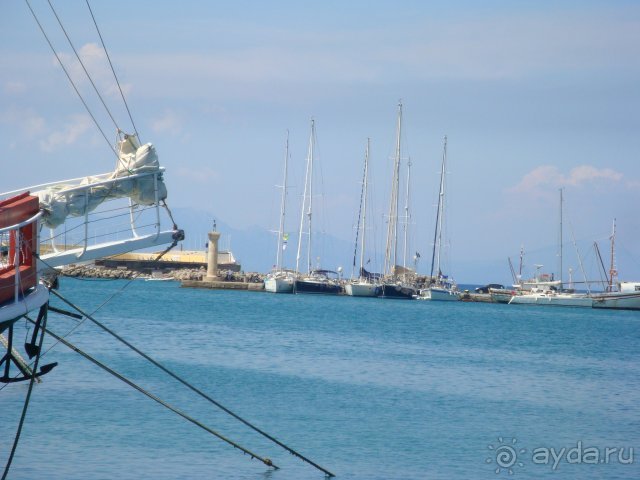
(441, 287)
(394, 285)
(552, 298)
(318, 281)
(364, 285)
(281, 280)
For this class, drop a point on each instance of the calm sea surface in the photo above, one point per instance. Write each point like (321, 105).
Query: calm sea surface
(368, 388)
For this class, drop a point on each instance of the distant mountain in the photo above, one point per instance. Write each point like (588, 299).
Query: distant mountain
(254, 247)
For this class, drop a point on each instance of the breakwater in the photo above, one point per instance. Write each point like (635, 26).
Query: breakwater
(181, 275)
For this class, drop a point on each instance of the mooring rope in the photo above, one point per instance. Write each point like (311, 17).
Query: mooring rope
(191, 387)
(153, 397)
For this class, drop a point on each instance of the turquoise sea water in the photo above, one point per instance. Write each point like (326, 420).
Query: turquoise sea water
(368, 388)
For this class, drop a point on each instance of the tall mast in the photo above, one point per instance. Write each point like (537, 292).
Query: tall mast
(437, 236)
(362, 194)
(282, 206)
(612, 268)
(311, 152)
(307, 175)
(364, 206)
(391, 250)
(521, 264)
(406, 216)
(560, 246)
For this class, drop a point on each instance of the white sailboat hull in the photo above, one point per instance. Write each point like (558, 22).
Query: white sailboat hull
(617, 300)
(440, 294)
(278, 284)
(552, 300)
(361, 289)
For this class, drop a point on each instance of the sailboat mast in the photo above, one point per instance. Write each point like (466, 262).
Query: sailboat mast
(437, 235)
(584, 273)
(521, 264)
(364, 206)
(391, 250)
(560, 246)
(282, 206)
(612, 268)
(311, 152)
(304, 201)
(406, 216)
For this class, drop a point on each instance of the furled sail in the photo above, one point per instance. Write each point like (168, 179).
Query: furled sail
(137, 176)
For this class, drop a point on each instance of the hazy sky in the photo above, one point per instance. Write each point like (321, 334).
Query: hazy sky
(533, 96)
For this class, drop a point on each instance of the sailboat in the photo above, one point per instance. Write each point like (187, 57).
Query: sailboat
(395, 285)
(441, 287)
(315, 280)
(619, 295)
(363, 286)
(552, 294)
(279, 280)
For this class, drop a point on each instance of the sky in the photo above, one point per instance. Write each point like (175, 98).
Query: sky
(532, 96)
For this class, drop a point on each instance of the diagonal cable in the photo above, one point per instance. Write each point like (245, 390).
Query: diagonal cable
(82, 65)
(113, 70)
(70, 80)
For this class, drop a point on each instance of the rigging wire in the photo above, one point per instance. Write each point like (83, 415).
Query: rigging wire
(111, 297)
(83, 66)
(190, 386)
(70, 80)
(113, 70)
(153, 397)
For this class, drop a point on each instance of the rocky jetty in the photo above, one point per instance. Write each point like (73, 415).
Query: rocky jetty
(182, 274)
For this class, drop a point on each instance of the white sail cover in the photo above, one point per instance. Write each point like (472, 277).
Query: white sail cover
(63, 200)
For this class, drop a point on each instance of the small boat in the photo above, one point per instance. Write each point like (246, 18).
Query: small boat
(279, 281)
(318, 281)
(398, 290)
(443, 293)
(359, 288)
(619, 295)
(552, 298)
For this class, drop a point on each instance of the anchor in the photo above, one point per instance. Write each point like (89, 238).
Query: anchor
(32, 349)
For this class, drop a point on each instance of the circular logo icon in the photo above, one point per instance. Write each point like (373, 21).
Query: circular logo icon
(506, 455)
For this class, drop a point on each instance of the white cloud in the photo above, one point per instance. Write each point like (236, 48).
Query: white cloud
(198, 174)
(587, 173)
(541, 180)
(96, 63)
(14, 88)
(68, 135)
(170, 122)
(26, 121)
